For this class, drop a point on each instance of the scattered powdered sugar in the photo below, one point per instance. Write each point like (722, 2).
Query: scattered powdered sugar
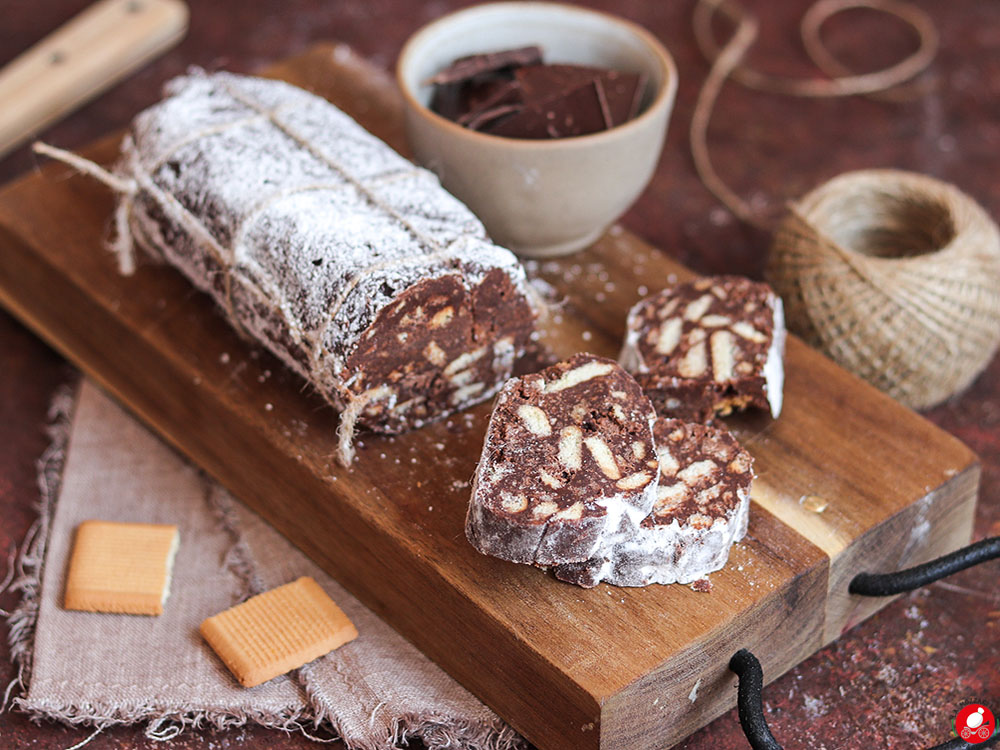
(693, 695)
(815, 707)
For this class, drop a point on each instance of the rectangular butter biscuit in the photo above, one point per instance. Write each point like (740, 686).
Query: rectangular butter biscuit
(277, 631)
(121, 568)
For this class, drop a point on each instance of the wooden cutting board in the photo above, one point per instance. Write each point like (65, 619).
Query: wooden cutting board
(849, 479)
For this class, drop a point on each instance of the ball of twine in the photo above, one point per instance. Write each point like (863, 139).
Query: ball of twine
(896, 276)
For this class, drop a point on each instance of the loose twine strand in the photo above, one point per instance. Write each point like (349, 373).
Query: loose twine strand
(728, 62)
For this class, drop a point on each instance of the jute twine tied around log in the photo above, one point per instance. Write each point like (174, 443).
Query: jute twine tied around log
(896, 276)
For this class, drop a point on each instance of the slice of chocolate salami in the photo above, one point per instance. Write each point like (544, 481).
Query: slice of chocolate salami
(708, 347)
(568, 466)
(701, 509)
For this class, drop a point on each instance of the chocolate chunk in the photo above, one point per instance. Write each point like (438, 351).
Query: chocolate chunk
(568, 465)
(513, 94)
(577, 112)
(465, 68)
(701, 509)
(487, 118)
(484, 98)
(708, 347)
(623, 93)
(448, 101)
(543, 82)
(468, 101)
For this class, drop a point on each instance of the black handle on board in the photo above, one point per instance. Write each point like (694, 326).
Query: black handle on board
(750, 675)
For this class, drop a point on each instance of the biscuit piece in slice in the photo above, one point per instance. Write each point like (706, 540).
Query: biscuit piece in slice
(701, 510)
(568, 464)
(121, 568)
(708, 347)
(277, 631)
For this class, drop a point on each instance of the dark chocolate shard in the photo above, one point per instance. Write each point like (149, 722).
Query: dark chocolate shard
(602, 100)
(485, 119)
(543, 82)
(623, 93)
(620, 92)
(579, 112)
(491, 95)
(527, 123)
(464, 101)
(469, 67)
(638, 96)
(448, 101)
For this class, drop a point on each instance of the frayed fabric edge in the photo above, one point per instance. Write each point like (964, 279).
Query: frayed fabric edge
(28, 571)
(433, 730)
(162, 723)
(238, 559)
(438, 732)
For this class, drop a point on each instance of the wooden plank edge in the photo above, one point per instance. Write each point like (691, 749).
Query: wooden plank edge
(938, 523)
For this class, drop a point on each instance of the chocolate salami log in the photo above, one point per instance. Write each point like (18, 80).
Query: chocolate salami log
(702, 507)
(354, 267)
(568, 466)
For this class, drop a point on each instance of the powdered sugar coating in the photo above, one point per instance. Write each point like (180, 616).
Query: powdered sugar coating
(301, 224)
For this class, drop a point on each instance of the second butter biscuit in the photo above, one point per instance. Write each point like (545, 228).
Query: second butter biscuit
(277, 631)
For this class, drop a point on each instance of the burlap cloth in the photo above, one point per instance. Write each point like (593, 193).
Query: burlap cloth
(101, 669)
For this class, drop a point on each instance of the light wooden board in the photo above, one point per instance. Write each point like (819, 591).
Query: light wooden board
(570, 668)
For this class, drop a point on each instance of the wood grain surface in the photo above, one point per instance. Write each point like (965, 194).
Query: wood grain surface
(569, 668)
(895, 681)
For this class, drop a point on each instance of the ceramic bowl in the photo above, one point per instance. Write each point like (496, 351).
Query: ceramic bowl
(539, 197)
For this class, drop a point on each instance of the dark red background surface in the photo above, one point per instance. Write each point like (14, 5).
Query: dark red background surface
(896, 681)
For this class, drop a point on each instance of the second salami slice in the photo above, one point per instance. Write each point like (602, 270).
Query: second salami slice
(708, 347)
